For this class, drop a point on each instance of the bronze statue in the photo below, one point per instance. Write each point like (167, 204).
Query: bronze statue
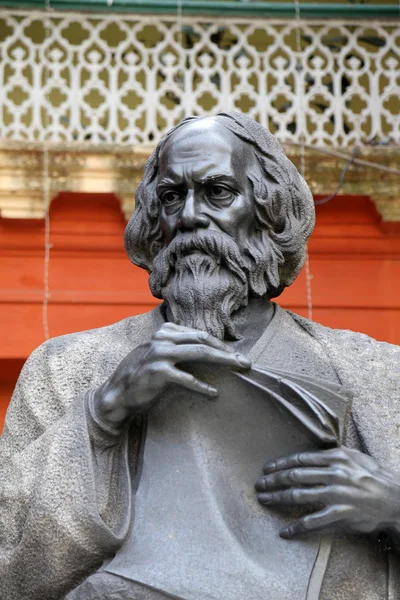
(207, 449)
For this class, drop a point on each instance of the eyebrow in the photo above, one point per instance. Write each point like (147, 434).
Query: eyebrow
(167, 182)
(219, 178)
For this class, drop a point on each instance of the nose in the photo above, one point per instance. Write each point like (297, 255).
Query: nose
(191, 216)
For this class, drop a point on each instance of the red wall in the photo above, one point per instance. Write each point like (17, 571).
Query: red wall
(355, 267)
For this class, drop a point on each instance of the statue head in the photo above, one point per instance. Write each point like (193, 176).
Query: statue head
(221, 215)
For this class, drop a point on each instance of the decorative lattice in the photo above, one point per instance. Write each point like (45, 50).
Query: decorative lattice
(127, 79)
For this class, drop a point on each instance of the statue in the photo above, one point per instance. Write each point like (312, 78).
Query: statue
(218, 446)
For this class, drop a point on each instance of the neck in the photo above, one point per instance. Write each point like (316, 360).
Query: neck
(250, 321)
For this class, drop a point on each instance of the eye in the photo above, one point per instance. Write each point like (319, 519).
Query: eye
(172, 201)
(169, 198)
(220, 195)
(218, 190)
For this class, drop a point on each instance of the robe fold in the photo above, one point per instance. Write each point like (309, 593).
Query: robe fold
(66, 493)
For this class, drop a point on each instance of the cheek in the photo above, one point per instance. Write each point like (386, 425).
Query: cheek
(248, 214)
(167, 226)
(241, 218)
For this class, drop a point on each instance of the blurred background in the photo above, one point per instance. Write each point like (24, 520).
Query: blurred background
(88, 88)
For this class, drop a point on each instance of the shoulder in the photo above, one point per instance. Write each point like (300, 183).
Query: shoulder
(87, 358)
(369, 367)
(345, 338)
(125, 334)
(97, 346)
(65, 367)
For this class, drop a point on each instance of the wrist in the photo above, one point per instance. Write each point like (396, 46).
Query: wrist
(392, 522)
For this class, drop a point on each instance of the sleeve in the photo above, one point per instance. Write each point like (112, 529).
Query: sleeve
(65, 492)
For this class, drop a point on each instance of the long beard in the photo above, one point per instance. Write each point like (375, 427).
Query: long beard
(202, 295)
(202, 278)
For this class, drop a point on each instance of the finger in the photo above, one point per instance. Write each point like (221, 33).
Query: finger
(295, 496)
(325, 519)
(191, 337)
(189, 382)
(202, 353)
(302, 476)
(321, 458)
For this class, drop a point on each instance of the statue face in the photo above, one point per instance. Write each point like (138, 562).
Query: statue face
(219, 219)
(202, 182)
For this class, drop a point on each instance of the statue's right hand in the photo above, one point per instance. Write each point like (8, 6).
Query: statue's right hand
(137, 383)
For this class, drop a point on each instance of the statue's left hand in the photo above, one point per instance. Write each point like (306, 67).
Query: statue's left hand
(357, 494)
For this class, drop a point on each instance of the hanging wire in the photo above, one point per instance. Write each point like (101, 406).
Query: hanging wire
(341, 178)
(303, 160)
(46, 200)
(356, 161)
(47, 245)
(179, 21)
(301, 96)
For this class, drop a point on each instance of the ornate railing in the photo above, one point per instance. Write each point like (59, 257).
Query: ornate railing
(126, 79)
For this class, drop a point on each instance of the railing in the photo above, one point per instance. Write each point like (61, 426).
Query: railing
(126, 79)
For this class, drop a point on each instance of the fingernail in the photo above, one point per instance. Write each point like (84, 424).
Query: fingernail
(269, 467)
(286, 533)
(264, 498)
(260, 485)
(243, 361)
(212, 391)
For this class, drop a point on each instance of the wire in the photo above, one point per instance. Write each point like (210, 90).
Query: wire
(179, 21)
(356, 161)
(46, 199)
(47, 245)
(341, 178)
(303, 162)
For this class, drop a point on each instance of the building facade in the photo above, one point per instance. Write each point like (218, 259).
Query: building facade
(85, 96)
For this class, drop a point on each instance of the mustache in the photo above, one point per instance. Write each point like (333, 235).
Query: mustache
(219, 246)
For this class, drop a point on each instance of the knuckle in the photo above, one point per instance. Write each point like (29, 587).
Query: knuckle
(302, 458)
(159, 349)
(340, 472)
(339, 454)
(306, 524)
(292, 476)
(365, 479)
(294, 495)
(204, 336)
(155, 368)
(159, 335)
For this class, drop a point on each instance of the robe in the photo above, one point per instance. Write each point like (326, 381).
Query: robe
(67, 495)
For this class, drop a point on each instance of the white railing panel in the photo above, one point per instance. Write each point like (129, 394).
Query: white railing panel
(126, 79)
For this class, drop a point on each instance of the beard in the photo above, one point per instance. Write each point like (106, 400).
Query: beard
(204, 278)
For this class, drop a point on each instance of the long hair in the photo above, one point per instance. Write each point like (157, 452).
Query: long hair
(284, 206)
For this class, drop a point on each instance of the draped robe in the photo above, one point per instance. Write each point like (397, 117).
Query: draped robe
(67, 483)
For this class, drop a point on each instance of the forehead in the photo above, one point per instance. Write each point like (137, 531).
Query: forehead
(203, 147)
